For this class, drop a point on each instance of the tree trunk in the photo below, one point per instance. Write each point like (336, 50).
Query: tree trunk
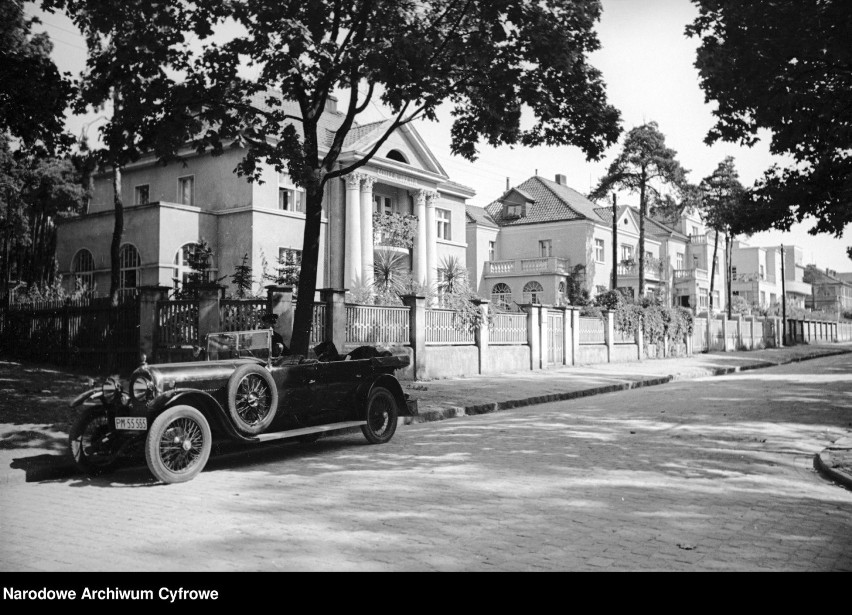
(117, 232)
(713, 268)
(303, 319)
(728, 245)
(642, 206)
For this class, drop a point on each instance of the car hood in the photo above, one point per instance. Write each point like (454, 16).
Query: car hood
(181, 374)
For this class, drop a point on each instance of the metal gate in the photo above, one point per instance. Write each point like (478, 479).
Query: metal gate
(556, 345)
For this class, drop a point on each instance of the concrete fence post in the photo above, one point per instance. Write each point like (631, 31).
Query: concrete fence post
(610, 334)
(575, 335)
(640, 341)
(724, 334)
(335, 316)
(279, 301)
(148, 325)
(567, 353)
(417, 332)
(533, 336)
(482, 335)
(544, 336)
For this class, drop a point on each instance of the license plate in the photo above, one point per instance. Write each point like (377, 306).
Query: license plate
(135, 423)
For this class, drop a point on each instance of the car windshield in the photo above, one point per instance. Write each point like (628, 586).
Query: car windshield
(238, 344)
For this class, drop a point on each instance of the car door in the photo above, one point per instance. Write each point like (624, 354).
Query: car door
(298, 388)
(341, 380)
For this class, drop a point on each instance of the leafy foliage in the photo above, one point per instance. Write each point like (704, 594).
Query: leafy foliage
(783, 66)
(396, 230)
(33, 93)
(242, 279)
(199, 259)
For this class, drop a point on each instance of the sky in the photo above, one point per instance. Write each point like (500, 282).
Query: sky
(647, 63)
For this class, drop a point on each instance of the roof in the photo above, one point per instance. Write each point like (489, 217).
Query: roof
(552, 202)
(478, 215)
(665, 229)
(605, 213)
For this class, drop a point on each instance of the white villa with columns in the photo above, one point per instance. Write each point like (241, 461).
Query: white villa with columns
(169, 208)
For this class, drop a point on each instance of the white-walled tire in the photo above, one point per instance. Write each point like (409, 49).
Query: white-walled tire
(178, 444)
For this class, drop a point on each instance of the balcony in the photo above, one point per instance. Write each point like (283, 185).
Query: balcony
(683, 276)
(698, 240)
(528, 266)
(654, 269)
(394, 230)
(754, 277)
(797, 288)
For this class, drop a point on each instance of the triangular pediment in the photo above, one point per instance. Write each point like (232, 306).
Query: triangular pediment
(628, 222)
(405, 148)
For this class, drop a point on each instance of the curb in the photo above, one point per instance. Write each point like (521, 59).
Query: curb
(825, 463)
(432, 413)
(64, 467)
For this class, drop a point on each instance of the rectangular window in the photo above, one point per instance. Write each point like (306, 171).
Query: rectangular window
(442, 216)
(186, 190)
(733, 273)
(599, 250)
(716, 299)
(679, 260)
(695, 231)
(702, 299)
(762, 298)
(383, 204)
(545, 248)
(290, 199)
(626, 252)
(140, 195)
(762, 272)
(492, 250)
(649, 256)
(289, 266)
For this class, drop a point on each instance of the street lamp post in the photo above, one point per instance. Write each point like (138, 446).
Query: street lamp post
(783, 301)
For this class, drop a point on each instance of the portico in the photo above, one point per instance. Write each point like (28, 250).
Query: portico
(367, 194)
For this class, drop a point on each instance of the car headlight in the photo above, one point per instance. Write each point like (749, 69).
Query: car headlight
(111, 390)
(143, 389)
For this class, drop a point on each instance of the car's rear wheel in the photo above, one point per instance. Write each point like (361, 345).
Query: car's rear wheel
(252, 399)
(382, 414)
(92, 441)
(178, 444)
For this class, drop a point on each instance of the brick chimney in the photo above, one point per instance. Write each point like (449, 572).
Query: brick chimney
(562, 180)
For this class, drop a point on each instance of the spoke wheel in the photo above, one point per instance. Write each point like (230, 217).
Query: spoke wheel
(382, 414)
(93, 443)
(178, 445)
(252, 399)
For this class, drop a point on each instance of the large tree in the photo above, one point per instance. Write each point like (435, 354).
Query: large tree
(492, 60)
(647, 167)
(33, 93)
(784, 66)
(723, 198)
(137, 51)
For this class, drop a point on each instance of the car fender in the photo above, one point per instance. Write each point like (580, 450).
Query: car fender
(206, 404)
(391, 384)
(90, 394)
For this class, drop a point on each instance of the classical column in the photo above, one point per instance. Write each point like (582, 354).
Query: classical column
(431, 240)
(421, 264)
(367, 228)
(352, 265)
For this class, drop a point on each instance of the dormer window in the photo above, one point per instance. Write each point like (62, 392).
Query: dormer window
(514, 211)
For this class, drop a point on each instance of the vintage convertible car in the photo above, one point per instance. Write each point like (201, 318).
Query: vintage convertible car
(242, 392)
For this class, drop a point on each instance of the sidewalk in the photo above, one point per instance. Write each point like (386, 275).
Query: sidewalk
(35, 417)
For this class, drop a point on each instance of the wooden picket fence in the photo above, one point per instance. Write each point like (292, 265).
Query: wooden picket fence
(85, 332)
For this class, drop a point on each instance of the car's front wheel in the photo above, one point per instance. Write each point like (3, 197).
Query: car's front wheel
(178, 445)
(382, 414)
(92, 441)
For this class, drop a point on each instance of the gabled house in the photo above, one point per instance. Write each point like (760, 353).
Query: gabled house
(168, 208)
(540, 234)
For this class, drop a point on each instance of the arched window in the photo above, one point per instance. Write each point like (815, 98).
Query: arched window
(128, 265)
(397, 155)
(501, 296)
(182, 268)
(82, 268)
(533, 292)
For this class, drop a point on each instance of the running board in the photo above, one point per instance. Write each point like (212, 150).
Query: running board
(304, 431)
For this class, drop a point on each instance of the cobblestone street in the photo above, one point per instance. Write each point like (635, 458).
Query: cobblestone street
(712, 474)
